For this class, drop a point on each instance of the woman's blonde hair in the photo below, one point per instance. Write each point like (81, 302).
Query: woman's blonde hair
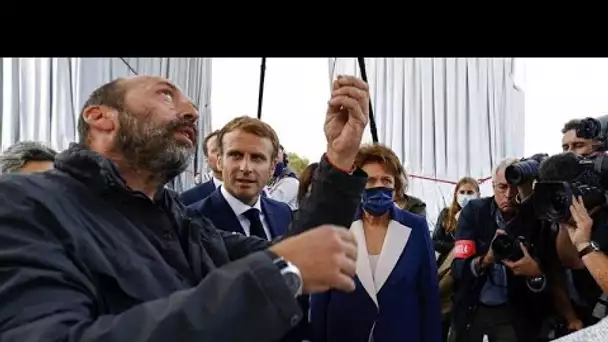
(449, 222)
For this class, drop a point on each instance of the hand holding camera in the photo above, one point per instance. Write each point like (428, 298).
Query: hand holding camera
(580, 232)
(512, 252)
(525, 266)
(488, 258)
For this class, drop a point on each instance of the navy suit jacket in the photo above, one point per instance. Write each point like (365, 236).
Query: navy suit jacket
(399, 303)
(198, 193)
(278, 217)
(277, 214)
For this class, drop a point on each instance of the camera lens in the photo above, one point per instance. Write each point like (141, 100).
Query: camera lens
(502, 246)
(506, 248)
(522, 172)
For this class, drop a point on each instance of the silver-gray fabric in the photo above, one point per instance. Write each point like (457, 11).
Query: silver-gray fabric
(446, 118)
(41, 98)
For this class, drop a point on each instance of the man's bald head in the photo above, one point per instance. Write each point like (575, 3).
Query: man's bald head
(146, 120)
(111, 94)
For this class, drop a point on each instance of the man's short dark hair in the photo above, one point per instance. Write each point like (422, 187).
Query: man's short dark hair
(563, 167)
(111, 94)
(207, 138)
(17, 155)
(573, 124)
(252, 126)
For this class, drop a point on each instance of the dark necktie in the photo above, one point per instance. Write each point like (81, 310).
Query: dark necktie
(255, 223)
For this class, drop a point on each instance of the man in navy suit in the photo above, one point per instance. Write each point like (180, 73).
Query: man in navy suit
(248, 150)
(214, 179)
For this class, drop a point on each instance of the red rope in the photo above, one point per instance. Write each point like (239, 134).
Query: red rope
(445, 181)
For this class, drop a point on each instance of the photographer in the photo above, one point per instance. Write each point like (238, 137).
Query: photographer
(500, 281)
(570, 193)
(575, 139)
(582, 136)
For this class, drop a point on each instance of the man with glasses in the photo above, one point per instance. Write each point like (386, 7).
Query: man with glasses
(496, 297)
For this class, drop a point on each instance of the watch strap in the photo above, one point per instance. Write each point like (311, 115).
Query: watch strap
(590, 248)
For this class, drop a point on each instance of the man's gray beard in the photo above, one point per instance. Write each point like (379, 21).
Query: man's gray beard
(152, 149)
(169, 163)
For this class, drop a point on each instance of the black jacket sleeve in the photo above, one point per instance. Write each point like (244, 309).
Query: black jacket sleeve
(334, 199)
(442, 241)
(47, 295)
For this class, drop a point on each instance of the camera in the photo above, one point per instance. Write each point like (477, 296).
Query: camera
(552, 199)
(506, 247)
(594, 128)
(524, 171)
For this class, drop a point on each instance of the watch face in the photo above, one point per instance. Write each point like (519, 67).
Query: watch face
(594, 245)
(293, 282)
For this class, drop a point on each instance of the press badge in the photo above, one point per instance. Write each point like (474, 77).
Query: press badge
(464, 249)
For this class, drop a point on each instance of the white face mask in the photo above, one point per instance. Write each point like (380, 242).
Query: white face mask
(463, 199)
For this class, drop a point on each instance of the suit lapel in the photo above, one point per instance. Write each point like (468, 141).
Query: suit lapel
(364, 271)
(224, 214)
(270, 218)
(395, 241)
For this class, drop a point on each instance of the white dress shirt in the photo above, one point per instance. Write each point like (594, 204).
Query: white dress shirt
(209, 176)
(286, 191)
(216, 182)
(239, 208)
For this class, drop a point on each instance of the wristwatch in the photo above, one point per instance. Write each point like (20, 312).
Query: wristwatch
(591, 247)
(290, 272)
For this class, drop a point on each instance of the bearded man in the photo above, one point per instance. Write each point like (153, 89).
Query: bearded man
(98, 250)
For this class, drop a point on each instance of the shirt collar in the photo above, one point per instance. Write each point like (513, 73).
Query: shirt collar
(237, 206)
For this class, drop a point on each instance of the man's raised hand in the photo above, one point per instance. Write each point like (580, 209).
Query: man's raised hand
(345, 121)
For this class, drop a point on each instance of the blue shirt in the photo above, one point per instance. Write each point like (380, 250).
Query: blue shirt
(494, 291)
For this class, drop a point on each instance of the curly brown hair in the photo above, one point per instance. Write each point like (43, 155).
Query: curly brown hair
(383, 155)
(449, 222)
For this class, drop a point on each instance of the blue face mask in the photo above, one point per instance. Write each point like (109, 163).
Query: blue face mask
(278, 169)
(377, 201)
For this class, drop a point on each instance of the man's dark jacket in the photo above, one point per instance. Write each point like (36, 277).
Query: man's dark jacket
(84, 258)
(197, 193)
(414, 205)
(477, 222)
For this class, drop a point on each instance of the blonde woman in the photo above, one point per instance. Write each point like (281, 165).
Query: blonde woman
(466, 189)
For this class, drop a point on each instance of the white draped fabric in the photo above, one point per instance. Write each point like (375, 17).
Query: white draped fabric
(41, 98)
(446, 118)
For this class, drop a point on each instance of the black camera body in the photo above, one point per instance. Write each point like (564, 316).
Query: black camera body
(552, 199)
(506, 247)
(594, 128)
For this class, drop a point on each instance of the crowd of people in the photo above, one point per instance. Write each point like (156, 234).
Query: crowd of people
(95, 247)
